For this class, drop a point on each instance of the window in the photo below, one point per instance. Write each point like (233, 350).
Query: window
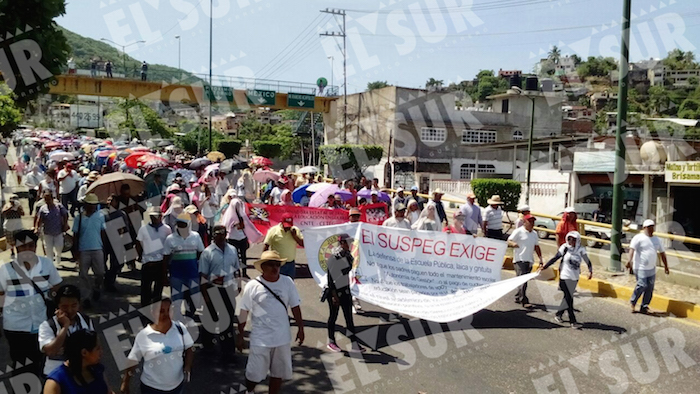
(517, 135)
(432, 134)
(478, 136)
(466, 171)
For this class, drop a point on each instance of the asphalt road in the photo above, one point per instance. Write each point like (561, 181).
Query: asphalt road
(501, 349)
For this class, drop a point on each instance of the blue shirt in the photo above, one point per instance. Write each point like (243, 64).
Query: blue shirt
(90, 237)
(215, 262)
(64, 378)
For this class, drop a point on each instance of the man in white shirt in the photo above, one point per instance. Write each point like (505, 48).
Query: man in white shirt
(525, 243)
(399, 219)
(493, 218)
(276, 192)
(642, 259)
(24, 284)
(472, 215)
(66, 320)
(32, 180)
(153, 271)
(267, 298)
(219, 272)
(68, 187)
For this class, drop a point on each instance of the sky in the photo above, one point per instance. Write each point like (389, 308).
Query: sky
(403, 42)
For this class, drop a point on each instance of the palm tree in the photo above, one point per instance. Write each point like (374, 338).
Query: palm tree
(554, 54)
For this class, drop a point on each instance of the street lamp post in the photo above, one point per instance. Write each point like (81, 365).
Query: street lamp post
(211, 45)
(123, 49)
(529, 149)
(179, 53)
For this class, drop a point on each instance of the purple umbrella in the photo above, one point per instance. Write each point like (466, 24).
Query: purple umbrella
(321, 194)
(365, 193)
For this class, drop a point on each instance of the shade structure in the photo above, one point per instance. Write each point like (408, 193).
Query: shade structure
(200, 163)
(216, 156)
(321, 194)
(264, 175)
(309, 170)
(259, 161)
(111, 183)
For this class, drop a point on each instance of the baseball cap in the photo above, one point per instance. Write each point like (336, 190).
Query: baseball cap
(414, 188)
(287, 220)
(529, 217)
(570, 210)
(400, 207)
(183, 217)
(399, 190)
(375, 193)
(648, 223)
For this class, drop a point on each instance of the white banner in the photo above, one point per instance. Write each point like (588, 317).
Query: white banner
(430, 275)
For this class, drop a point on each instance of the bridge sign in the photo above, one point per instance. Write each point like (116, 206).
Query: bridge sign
(261, 97)
(218, 93)
(299, 100)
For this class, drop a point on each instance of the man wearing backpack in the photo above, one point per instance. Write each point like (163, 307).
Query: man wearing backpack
(66, 320)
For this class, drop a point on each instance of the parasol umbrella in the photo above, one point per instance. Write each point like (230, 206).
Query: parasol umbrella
(366, 193)
(109, 184)
(345, 195)
(140, 149)
(152, 163)
(321, 194)
(200, 163)
(216, 156)
(259, 161)
(299, 192)
(163, 171)
(308, 170)
(132, 159)
(263, 175)
(103, 153)
(61, 156)
(314, 187)
(51, 145)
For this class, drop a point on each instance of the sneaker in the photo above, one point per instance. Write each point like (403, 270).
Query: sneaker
(644, 311)
(632, 305)
(576, 326)
(333, 347)
(357, 306)
(558, 319)
(357, 348)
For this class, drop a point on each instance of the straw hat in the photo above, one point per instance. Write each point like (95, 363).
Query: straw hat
(91, 199)
(269, 255)
(191, 209)
(495, 200)
(92, 177)
(437, 191)
(153, 211)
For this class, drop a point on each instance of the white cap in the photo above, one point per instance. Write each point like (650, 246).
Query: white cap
(648, 223)
(570, 210)
(399, 190)
(524, 208)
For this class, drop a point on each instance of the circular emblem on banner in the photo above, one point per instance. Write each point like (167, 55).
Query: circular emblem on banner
(325, 252)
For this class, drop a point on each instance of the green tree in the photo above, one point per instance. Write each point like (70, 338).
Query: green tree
(690, 109)
(192, 132)
(137, 117)
(554, 54)
(269, 149)
(44, 41)
(488, 84)
(597, 67)
(434, 84)
(10, 115)
(678, 59)
(659, 99)
(376, 85)
(340, 158)
(229, 148)
(508, 189)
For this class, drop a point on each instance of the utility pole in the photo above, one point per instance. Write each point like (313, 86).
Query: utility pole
(618, 193)
(345, 63)
(211, 55)
(179, 52)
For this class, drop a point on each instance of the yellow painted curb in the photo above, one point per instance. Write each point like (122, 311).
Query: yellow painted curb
(658, 302)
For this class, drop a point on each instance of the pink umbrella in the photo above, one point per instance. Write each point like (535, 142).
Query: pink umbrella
(264, 175)
(321, 194)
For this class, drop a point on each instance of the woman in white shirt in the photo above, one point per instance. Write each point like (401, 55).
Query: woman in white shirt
(413, 213)
(571, 254)
(49, 183)
(428, 220)
(166, 350)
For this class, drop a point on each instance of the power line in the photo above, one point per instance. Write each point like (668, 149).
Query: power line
(180, 20)
(293, 53)
(500, 4)
(290, 62)
(308, 29)
(342, 34)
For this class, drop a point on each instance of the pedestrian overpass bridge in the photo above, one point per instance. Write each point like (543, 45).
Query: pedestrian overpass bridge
(192, 90)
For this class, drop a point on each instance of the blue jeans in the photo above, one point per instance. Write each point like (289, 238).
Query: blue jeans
(289, 269)
(644, 286)
(150, 390)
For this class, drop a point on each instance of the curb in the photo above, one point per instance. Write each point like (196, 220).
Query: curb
(676, 308)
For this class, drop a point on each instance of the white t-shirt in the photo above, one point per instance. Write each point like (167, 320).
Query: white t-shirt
(493, 218)
(161, 355)
(68, 183)
(394, 222)
(46, 336)
(645, 251)
(275, 195)
(526, 240)
(571, 263)
(269, 319)
(153, 241)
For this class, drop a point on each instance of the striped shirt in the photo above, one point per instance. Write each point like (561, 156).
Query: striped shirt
(24, 309)
(493, 218)
(183, 254)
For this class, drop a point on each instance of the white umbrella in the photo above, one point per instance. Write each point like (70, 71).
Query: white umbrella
(308, 170)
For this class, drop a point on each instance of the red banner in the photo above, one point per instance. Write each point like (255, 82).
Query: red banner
(374, 213)
(265, 216)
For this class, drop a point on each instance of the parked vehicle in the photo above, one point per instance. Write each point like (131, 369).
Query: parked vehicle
(591, 230)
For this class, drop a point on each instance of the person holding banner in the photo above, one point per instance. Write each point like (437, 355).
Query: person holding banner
(525, 243)
(428, 221)
(284, 239)
(338, 293)
(571, 255)
(457, 226)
